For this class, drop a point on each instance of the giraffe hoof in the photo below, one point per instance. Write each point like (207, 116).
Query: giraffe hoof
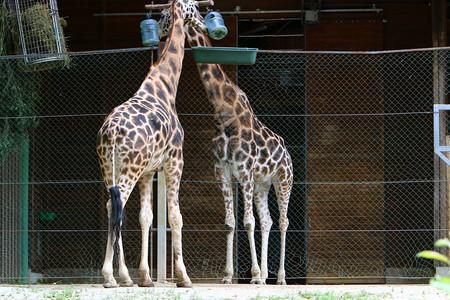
(226, 281)
(108, 285)
(127, 283)
(256, 281)
(184, 284)
(146, 284)
(281, 282)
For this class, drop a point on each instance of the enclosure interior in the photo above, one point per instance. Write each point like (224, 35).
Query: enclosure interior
(358, 127)
(368, 193)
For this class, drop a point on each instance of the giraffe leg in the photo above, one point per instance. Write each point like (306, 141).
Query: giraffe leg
(283, 192)
(262, 207)
(125, 279)
(247, 186)
(145, 219)
(125, 185)
(173, 177)
(224, 178)
(107, 269)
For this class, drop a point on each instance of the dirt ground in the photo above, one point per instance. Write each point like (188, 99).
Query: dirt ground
(218, 291)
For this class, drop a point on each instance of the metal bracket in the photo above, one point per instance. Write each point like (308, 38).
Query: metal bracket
(438, 149)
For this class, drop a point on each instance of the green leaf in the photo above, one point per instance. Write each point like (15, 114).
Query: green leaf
(433, 255)
(443, 243)
(444, 279)
(442, 283)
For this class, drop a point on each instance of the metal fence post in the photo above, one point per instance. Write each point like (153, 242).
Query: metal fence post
(161, 229)
(24, 178)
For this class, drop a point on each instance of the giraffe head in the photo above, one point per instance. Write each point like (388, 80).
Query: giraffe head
(164, 22)
(190, 14)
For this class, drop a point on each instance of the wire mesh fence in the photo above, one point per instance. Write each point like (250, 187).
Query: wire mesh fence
(368, 194)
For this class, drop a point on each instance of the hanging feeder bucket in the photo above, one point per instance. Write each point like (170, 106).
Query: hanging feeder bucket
(216, 26)
(225, 55)
(149, 32)
(222, 55)
(39, 33)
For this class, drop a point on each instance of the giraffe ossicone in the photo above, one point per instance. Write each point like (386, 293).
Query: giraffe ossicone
(140, 137)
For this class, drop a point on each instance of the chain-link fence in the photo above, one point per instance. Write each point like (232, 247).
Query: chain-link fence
(368, 193)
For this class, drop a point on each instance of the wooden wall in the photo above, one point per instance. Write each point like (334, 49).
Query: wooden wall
(407, 24)
(336, 152)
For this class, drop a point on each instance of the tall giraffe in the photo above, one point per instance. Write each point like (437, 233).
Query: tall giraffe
(244, 149)
(143, 136)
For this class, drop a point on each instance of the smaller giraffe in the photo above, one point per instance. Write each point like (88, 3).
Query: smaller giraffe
(244, 149)
(143, 136)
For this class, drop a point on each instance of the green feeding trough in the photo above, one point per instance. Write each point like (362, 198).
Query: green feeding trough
(225, 55)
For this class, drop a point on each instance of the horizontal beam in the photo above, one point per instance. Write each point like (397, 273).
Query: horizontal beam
(262, 12)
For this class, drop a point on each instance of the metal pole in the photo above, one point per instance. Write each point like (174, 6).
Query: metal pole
(24, 179)
(236, 237)
(161, 229)
(55, 19)
(259, 12)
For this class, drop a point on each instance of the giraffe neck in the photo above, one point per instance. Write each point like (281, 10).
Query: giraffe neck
(226, 97)
(171, 58)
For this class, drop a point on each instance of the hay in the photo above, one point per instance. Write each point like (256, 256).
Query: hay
(39, 37)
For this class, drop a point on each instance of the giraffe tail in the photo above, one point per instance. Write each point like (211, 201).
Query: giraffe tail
(115, 222)
(117, 213)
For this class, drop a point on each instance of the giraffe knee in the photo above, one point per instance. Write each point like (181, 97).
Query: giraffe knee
(146, 219)
(229, 226)
(266, 224)
(249, 223)
(283, 224)
(230, 223)
(146, 214)
(175, 220)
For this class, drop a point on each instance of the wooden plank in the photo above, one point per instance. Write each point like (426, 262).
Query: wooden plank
(343, 32)
(439, 36)
(439, 23)
(83, 30)
(407, 26)
(348, 223)
(338, 151)
(447, 209)
(356, 209)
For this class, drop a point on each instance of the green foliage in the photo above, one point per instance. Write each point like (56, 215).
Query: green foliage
(18, 97)
(440, 282)
(18, 93)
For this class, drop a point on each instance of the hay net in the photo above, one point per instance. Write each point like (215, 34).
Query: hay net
(38, 33)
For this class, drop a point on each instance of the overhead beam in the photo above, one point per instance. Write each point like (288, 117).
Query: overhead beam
(439, 22)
